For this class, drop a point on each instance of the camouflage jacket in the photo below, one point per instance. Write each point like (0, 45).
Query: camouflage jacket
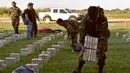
(14, 12)
(101, 29)
(72, 26)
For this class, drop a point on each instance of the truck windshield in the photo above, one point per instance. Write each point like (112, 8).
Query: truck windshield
(68, 10)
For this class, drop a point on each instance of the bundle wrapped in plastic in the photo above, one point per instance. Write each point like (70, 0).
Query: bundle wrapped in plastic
(2, 65)
(33, 67)
(37, 61)
(91, 44)
(61, 44)
(16, 56)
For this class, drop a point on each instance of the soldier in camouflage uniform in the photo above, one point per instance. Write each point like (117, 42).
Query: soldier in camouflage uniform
(72, 27)
(95, 24)
(15, 12)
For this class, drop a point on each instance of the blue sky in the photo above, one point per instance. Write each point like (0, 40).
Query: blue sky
(72, 4)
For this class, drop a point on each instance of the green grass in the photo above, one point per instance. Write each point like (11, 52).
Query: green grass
(118, 58)
(117, 61)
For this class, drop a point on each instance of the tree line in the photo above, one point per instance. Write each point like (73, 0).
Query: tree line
(113, 13)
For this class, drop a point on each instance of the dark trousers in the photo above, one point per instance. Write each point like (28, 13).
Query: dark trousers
(15, 24)
(34, 29)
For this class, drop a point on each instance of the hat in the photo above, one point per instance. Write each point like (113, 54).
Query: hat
(13, 2)
(30, 3)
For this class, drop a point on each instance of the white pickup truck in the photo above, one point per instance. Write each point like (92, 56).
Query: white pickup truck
(59, 13)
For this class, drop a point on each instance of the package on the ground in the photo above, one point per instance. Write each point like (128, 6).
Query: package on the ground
(24, 51)
(10, 60)
(37, 61)
(15, 55)
(31, 47)
(61, 44)
(2, 65)
(57, 47)
(51, 51)
(33, 67)
(45, 57)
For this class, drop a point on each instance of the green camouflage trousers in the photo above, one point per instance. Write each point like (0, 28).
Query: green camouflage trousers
(15, 23)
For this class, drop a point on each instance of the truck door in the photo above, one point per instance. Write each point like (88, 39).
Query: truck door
(55, 14)
(63, 14)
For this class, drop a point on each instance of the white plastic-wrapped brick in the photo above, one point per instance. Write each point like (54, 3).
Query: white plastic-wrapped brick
(61, 44)
(45, 39)
(1, 35)
(91, 48)
(10, 60)
(117, 34)
(57, 47)
(1, 62)
(124, 36)
(41, 42)
(33, 67)
(37, 61)
(10, 32)
(46, 57)
(53, 36)
(58, 35)
(10, 39)
(2, 65)
(61, 33)
(127, 40)
(13, 39)
(24, 51)
(4, 41)
(44, 52)
(15, 35)
(52, 50)
(37, 44)
(15, 55)
(1, 44)
(127, 34)
(65, 37)
(31, 48)
(49, 51)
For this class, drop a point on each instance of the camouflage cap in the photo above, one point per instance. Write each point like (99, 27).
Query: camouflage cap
(13, 2)
(30, 4)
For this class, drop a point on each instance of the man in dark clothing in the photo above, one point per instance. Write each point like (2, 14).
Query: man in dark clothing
(34, 26)
(31, 17)
(15, 12)
(95, 24)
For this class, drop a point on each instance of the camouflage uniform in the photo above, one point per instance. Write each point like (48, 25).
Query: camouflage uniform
(102, 33)
(15, 12)
(72, 27)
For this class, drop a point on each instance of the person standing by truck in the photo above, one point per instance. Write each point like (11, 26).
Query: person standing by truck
(34, 26)
(31, 16)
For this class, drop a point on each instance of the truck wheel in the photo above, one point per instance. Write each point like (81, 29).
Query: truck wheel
(47, 19)
(73, 18)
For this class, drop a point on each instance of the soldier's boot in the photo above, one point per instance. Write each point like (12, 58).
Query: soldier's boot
(80, 66)
(100, 69)
(101, 64)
